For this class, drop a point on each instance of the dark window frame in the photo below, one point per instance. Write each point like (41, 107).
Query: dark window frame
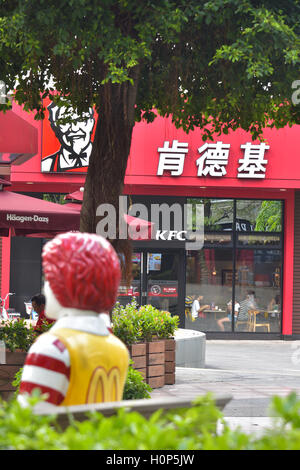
(236, 246)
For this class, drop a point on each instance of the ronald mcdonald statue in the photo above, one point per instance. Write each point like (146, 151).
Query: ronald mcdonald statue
(79, 360)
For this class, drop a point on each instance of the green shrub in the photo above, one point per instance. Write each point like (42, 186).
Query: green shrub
(132, 324)
(156, 323)
(126, 324)
(135, 386)
(21, 429)
(17, 335)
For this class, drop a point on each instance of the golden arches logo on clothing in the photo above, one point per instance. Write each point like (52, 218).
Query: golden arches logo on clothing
(104, 386)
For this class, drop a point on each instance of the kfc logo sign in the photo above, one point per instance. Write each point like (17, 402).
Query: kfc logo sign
(171, 235)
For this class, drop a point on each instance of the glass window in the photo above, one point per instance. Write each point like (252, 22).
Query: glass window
(218, 213)
(208, 288)
(257, 215)
(217, 239)
(259, 239)
(258, 273)
(241, 258)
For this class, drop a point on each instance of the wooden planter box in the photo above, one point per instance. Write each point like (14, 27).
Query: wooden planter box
(138, 353)
(170, 361)
(14, 362)
(155, 360)
(156, 363)
(149, 359)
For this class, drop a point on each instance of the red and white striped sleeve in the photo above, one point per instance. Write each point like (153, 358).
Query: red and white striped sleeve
(47, 368)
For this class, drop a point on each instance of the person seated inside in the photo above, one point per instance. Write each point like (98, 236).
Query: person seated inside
(247, 304)
(188, 305)
(197, 309)
(274, 304)
(228, 318)
(38, 304)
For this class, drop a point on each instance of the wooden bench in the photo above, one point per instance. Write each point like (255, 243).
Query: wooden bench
(146, 407)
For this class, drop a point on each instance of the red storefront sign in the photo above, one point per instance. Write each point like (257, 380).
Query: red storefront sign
(278, 158)
(281, 161)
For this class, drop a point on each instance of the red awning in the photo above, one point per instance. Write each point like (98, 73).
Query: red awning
(4, 182)
(142, 229)
(18, 139)
(28, 216)
(76, 196)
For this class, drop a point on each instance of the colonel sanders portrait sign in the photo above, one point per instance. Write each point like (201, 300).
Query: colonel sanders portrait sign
(67, 147)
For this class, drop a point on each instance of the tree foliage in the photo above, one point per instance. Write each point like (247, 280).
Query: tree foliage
(229, 62)
(217, 65)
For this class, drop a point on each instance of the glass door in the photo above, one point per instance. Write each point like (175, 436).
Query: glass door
(134, 291)
(161, 286)
(157, 280)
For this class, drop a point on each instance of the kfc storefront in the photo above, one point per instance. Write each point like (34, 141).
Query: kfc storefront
(245, 195)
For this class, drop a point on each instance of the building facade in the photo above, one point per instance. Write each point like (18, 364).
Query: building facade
(223, 217)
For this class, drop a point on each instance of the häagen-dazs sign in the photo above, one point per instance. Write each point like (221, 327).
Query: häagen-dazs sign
(26, 218)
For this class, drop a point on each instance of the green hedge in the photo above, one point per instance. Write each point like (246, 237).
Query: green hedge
(194, 428)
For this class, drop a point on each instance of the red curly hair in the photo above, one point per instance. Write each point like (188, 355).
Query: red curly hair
(83, 271)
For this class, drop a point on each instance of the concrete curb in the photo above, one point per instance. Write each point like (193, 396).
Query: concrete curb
(190, 348)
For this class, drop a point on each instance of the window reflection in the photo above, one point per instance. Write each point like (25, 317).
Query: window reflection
(259, 239)
(249, 258)
(209, 275)
(260, 271)
(258, 215)
(133, 291)
(218, 213)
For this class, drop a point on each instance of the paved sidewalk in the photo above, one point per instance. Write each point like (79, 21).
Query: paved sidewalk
(250, 371)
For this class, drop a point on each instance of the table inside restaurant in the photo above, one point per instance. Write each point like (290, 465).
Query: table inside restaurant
(275, 314)
(215, 312)
(266, 313)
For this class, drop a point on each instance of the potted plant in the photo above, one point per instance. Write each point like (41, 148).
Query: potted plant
(148, 334)
(127, 327)
(165, 326)
(158, 327)
(17, 337)
(126, 323)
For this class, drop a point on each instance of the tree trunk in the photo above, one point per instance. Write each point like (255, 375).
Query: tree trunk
(108, 160)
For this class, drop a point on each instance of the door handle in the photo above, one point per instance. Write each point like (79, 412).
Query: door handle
(142, 263)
